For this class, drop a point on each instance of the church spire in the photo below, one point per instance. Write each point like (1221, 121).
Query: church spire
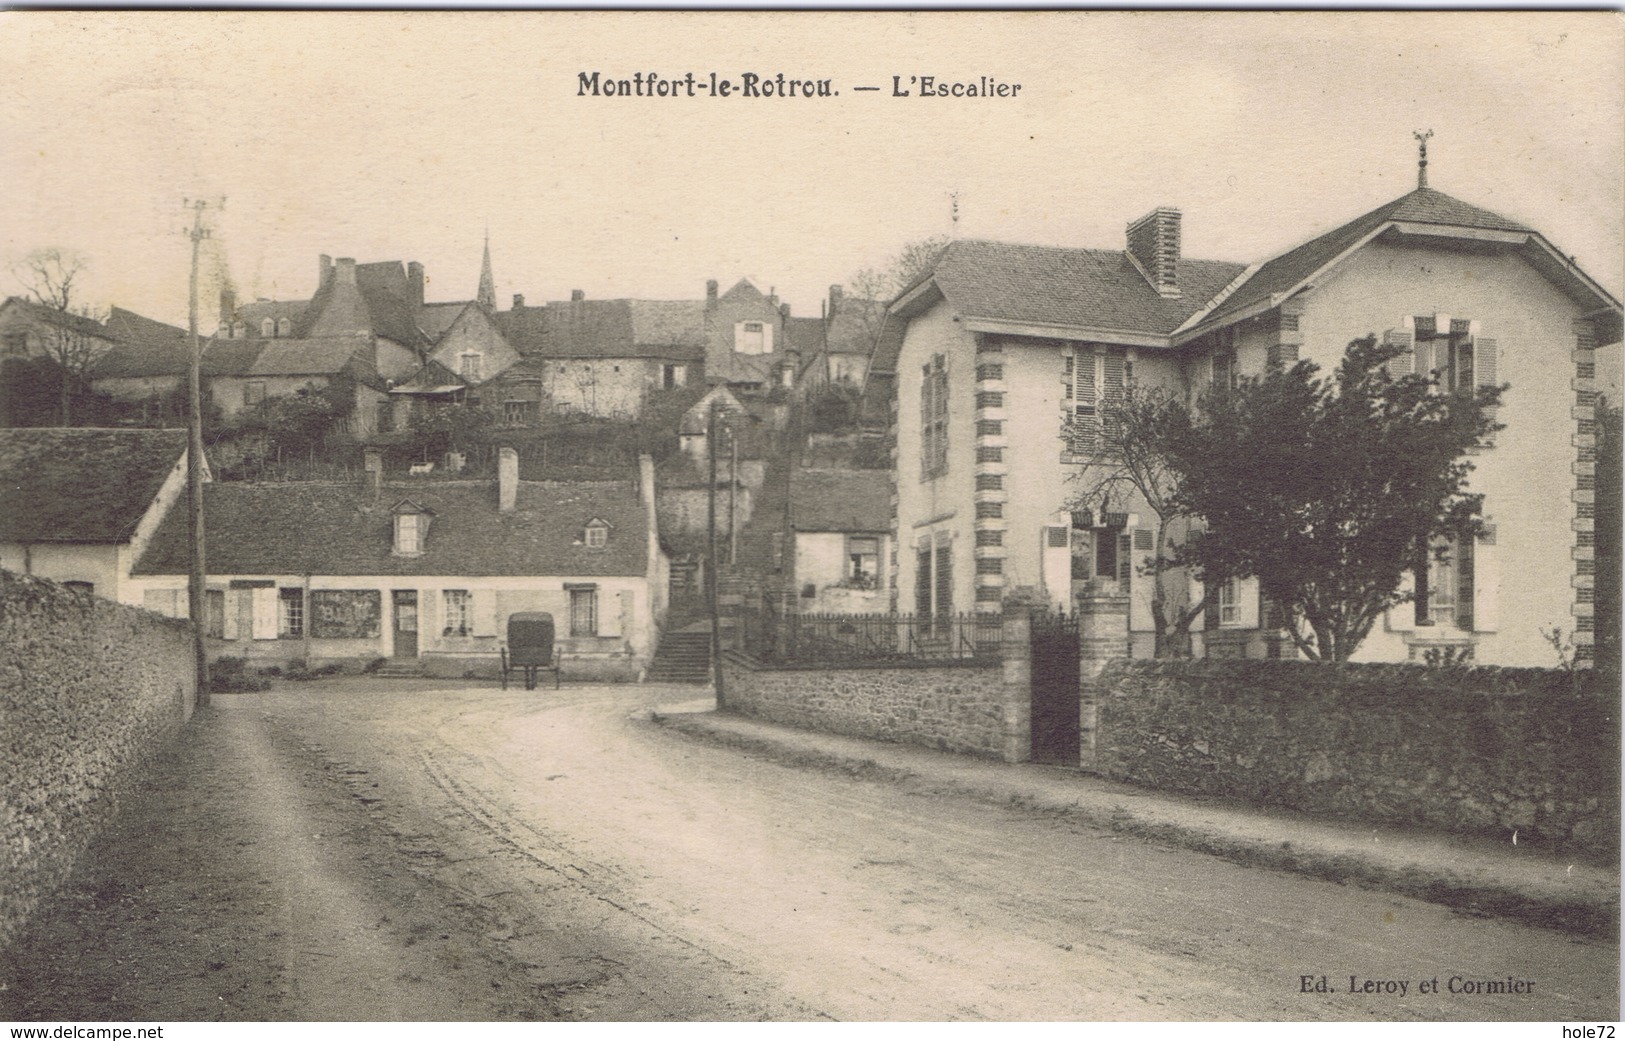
(487, 297)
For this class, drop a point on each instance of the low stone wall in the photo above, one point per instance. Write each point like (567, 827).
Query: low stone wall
(966, 708)
(1474, 750)
(88, 688)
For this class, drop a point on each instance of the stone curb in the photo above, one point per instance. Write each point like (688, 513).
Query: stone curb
(1474, 896)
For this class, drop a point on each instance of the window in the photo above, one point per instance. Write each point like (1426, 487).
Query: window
(267, 327)
(752, 338)
(406, 534)
(944, 582)
(291, 614)
(863, 561)
(1094, 386)
(584, 612)
(517, 413)
(1229, 603)
(16, 343)
(253, 392)
(284, 327)
(471, 367)
(597, 535)
(922, 581)
(1445, 596)
(672, 376)
(238, 330)
(458, 609)
(386, 417)
(934, 418)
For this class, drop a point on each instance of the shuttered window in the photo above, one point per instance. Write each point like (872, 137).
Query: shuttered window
(934, 418)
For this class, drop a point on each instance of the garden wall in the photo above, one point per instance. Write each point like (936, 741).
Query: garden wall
(88, 688)
(955, 707)
(1479, 750)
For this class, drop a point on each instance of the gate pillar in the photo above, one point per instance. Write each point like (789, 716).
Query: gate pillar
(1103, 634)
(1015, 652)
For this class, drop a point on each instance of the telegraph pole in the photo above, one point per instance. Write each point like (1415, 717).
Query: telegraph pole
(196, 598)
(711, 558)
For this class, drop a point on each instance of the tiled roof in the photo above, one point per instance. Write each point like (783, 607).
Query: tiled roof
(81, 485)
(433, 376)
(40, 313)
(673, 329)
(343, 529)
(840, 500)
(251, 314)
(1090, 288)
(435, 319)
(383, 286)
(230, 357)
(1422, 206)
(315, 357)
(805, 335)
(144, 348)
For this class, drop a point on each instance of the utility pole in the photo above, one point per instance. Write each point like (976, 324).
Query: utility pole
(733, 498)
(711, 558)
(196, 598)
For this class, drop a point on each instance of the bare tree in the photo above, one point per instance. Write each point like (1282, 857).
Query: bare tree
(910, 264)
(71, 336)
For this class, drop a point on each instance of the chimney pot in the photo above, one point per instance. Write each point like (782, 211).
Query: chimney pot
(711, 292)
(518, 301)
(507, 479)
(784, 311)
(577, 295)
(324, 269)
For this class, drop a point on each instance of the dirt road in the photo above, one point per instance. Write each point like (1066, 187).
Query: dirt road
(351, 851)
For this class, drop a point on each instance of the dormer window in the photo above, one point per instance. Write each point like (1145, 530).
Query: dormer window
(267, 327)
(596, 534)
(411, 527)
(238, 331)
(284, 327)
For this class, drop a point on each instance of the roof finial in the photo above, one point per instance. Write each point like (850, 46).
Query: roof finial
(1422, 163)
(954, 213)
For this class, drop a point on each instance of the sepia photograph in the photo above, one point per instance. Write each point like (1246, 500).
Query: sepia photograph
(877, 517)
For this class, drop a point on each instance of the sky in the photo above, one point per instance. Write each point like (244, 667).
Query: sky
(409, 136)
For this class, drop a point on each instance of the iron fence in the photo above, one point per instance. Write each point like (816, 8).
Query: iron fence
(770, 634)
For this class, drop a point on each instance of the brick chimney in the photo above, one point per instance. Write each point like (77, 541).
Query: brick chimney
(711, 293)
(1153, 243)
(414, 284)
(324, 270)
(577, 295)
(344, 271)
(507, 479)
(518, 301)
(228, 304)
(834, 301)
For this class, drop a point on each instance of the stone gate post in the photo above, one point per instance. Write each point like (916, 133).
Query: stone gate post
(1015, 652)
(1102, 635)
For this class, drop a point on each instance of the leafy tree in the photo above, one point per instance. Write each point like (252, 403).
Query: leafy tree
(1329, 491)
(1134, 471)
(50, 276)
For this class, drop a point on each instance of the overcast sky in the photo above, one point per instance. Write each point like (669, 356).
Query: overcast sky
(390, 136)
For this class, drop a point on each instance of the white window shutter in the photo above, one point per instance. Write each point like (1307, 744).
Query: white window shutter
(609, 613)
(1247, 603)
(485, 612)
(1402, 617)
(1486, 584)
(1403, 364)
(430, 612)
(265, 611)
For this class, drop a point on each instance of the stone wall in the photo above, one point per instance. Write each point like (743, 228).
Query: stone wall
(1475, 750)
(965, 708)
(88, 688)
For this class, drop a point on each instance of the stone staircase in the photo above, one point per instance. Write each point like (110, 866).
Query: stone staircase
(401, 669)
(682, 657)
